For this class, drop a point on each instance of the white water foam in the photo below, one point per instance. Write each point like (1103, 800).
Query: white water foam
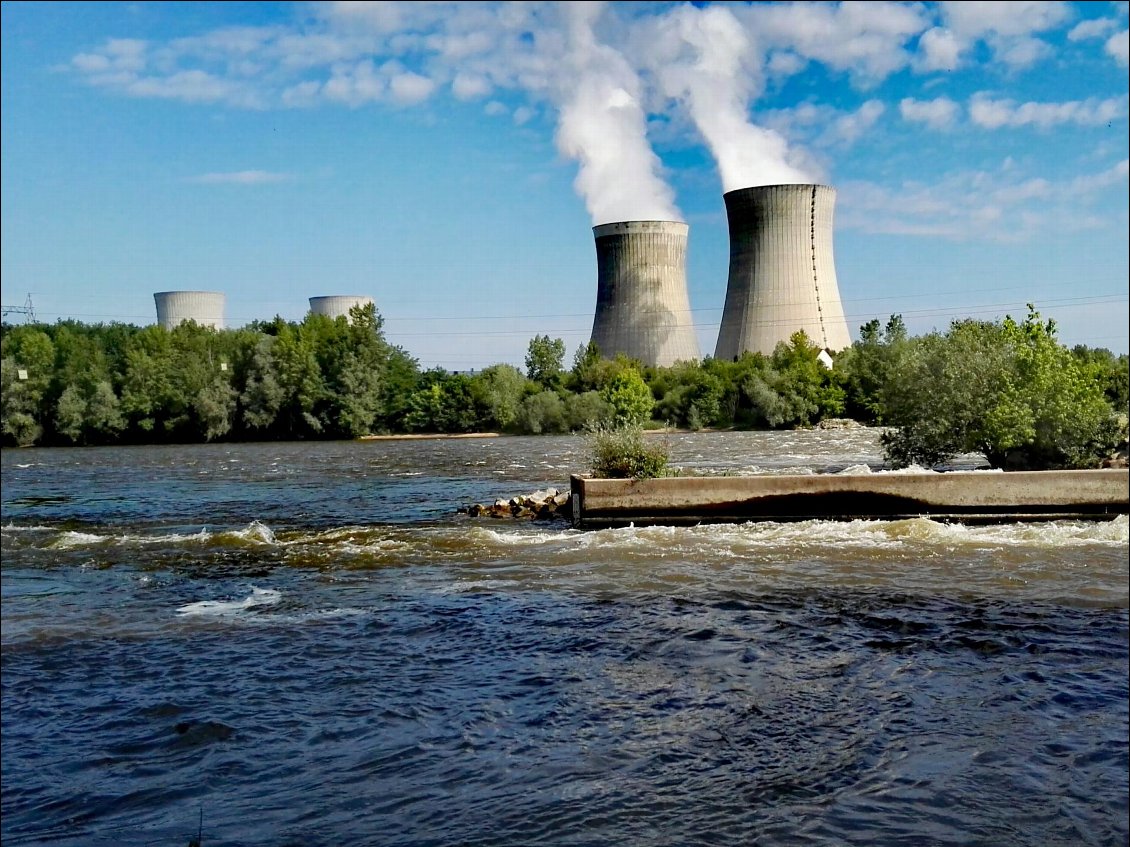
(13, 528)
(69, 540)
(255, 532)
(221, 608)
(722, 538)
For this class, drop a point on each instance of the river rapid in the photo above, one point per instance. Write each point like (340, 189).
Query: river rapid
(308, 644)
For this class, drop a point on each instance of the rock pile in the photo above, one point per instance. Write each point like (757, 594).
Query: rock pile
(1119, 459)
(541, 505)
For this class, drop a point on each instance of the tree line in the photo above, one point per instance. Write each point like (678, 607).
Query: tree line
(1001, 388)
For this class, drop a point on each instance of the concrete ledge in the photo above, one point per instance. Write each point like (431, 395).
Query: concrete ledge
(965, 496)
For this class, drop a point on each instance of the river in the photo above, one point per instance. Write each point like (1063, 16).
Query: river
(308, 644)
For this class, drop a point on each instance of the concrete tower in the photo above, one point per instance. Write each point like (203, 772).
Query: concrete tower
(782, 273)
(337, 305)
(204, 307)
(642, 308)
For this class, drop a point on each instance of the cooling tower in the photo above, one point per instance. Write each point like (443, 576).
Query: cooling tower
(337, 305)
(782, 273)
(204, 307)
(642, 308)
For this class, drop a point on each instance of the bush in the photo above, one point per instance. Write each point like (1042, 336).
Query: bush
(620, 453)
(1007, 390)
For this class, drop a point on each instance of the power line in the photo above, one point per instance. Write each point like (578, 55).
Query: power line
(391, 321)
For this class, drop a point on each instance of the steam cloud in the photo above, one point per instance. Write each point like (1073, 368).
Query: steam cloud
(603, 126)
(701, 58)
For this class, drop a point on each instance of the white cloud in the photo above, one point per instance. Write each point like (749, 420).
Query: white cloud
(784, 63)
(1004, 18)
(193, 86)
(117, 63)
(1096, 182)
(601, 69)
(939, 113)
(1030, 189)
(994, 206)
(355, 85)
(867, 39)
(1024, 52)
(819, 125)
(1093, 28)
(849, 128)
(1118, 47)
(941, 50)
(242, 178)
(302, 94)
(987, 112)
(409, 88)
(467, 86)
(1009, 27)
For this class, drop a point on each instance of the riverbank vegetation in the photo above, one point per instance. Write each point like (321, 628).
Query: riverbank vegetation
(1006, 389)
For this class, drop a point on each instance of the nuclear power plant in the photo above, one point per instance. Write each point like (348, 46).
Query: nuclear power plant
(337, 305)
(176, 307)
(782, 278)
(642, 308)
(782, 273)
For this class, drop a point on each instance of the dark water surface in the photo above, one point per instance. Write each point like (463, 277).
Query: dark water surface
(306, 644)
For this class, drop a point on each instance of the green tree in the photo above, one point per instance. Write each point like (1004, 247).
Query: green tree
(542, 413)
(444, 402)
(89, 415)
(1007, 390)
(807, 390)
(401, 376)
(262, 396)
(351, 354)
(689, 395)
(500, 390)
(1110, 371)
(203, 398)
(19, 414)
(30, 355)
(544, 360)
(147, 389)
(868, 365)
(586, 410)
(630, 398)
(299, 376)
(104, 421)
(583, 376)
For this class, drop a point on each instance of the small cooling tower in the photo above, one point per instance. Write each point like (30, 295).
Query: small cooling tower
(782, 273)
(642, 308)
(337, 305)
(176, 307)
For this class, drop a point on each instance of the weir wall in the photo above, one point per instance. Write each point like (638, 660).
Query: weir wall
(958, 496)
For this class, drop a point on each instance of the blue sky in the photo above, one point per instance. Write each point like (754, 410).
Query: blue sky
(450, 159)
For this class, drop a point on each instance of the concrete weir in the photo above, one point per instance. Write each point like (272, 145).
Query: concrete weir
(959, 496)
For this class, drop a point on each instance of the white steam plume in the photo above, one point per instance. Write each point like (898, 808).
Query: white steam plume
(603, 126)
(702, 58)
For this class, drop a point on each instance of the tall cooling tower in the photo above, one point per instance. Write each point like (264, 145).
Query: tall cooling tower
(782, 273)
(642, 308)
(337, 305)
(204, 307)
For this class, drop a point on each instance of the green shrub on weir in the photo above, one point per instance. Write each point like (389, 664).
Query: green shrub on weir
(620, 453)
